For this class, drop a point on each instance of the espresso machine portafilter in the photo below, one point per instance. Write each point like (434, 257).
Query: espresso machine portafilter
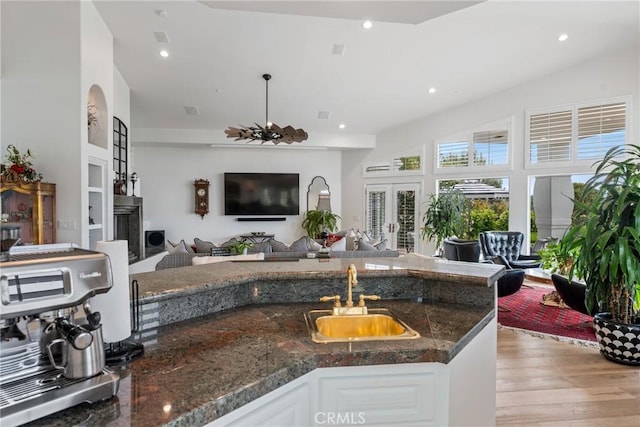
(52, 353)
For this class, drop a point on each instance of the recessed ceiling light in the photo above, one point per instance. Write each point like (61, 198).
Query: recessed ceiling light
(367, 24)
(563, 37)
(164, 53)
(432, 90)
(342, 126)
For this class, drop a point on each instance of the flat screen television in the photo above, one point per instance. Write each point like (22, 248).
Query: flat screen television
(261, 193)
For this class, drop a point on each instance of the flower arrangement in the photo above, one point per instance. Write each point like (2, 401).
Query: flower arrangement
(19, 167)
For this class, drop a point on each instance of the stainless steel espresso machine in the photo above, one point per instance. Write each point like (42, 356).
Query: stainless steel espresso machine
(51, 352)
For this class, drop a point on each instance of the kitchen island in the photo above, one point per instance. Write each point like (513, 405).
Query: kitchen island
(221, 337)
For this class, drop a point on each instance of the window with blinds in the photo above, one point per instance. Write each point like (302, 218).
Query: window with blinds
(490, 147)
(550, 136)
(478, 149)
(600, 128)
(407, 163)
(576, 133)
(376, 213)
(405, 219)
(410, 164)
(453, 154)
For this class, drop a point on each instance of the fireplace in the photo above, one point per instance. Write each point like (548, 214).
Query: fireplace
(127, 224)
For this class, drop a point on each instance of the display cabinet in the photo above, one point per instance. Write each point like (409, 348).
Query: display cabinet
(28, 213)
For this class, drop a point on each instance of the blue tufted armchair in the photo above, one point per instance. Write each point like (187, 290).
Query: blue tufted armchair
(504, 247)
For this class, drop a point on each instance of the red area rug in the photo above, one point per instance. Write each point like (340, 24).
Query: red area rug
(528, 312)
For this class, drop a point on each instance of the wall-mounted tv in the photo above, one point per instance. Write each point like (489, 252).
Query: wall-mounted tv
(261, 194)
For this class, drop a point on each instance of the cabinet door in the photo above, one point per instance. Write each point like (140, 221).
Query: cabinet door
(28, 213)
(407, 395)
(285, 407)
(48, 219)
(17, 216)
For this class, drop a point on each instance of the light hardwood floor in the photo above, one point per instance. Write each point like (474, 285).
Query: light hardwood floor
(542, 382)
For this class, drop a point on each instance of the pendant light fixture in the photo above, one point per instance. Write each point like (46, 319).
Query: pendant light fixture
(270, 132)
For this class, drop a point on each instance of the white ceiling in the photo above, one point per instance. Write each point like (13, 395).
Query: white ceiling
(218, 55)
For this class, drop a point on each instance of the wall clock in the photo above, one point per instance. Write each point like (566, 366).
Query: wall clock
(201, 187)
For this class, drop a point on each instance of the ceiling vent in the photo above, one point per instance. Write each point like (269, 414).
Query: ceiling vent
(338, 49)
(192, 110)
(323, 115)
(161, 36)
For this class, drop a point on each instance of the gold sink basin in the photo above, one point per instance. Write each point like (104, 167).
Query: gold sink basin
(379, 324)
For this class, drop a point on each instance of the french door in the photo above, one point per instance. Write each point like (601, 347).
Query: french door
(390, 213)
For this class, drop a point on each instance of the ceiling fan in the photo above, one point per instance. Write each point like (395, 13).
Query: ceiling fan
(270, 132)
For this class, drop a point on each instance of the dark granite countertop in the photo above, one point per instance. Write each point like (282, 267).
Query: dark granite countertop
(197, 370)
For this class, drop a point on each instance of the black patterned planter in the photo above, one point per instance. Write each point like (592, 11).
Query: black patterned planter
(618, 342)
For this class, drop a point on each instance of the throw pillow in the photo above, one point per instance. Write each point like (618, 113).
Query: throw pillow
(232, 241)
(179, 248)
(382, 246)
(312, 245)
(332, 238)
(203, 247)
(365, 246)
(277, 246)
(300, 245)
(264, 247)
(339, 246)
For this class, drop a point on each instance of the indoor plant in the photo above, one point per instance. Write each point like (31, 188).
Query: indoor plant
(19, 167)
(448, 215)
(240, 247)
(607, 234)
(315, 222)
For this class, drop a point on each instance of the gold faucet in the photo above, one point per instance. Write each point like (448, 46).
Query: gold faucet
(352, 280)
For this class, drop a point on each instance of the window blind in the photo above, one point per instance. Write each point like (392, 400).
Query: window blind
(406, 212)
(382, 167)
(453, 154)
(406, 163)
(376, 213)
(600, 128)
(550, 137)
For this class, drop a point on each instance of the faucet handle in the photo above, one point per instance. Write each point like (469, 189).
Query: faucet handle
(367, 297)
(335, 298)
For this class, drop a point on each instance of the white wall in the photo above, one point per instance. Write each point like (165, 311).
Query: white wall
(96, 56)
(166, 185)
(608, 75)
(41, 96)
(52, 52)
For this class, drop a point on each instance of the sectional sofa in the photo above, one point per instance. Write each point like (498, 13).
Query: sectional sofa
(181, 255)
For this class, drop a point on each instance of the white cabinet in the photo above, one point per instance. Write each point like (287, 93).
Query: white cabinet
(287, 406)
(460, 393)
(409, 395)
(383, 395)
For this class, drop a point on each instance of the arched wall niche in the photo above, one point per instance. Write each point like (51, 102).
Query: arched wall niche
(97, 117)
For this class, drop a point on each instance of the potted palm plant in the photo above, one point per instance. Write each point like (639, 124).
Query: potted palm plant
(448, 214)
(607, 235)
